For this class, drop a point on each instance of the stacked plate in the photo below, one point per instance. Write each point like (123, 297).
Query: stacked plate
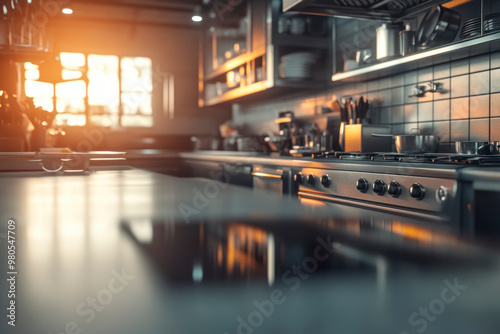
(492, 23)
(471, 28)
(297, 65)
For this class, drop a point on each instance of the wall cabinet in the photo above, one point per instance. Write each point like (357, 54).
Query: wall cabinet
(258, 51)
(354, 35)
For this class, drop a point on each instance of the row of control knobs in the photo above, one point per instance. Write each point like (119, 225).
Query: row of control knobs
(394, 189)
(311, 179)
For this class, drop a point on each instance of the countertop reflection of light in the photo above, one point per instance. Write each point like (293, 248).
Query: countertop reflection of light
(67, 11)
(197, 273)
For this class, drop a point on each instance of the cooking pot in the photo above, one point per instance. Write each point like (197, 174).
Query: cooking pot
(388, 40)
(477, 147)
(414, 143)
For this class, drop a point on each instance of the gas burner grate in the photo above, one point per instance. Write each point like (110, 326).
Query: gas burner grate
(382, 156)
(355, 155)
(324, 155)
(425, 158)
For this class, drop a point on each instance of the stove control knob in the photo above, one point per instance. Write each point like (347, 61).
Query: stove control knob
(325, 181)
(362, 185)
(299, 178)
(394, 189)
(379, 187)
(442, 194)
(311, 179)
(417, 191)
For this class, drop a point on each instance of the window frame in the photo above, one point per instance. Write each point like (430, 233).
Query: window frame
(87, 112)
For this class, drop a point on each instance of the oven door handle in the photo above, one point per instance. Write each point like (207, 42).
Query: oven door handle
(267, 175)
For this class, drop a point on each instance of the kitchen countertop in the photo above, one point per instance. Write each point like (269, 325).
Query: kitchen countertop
(123, 250)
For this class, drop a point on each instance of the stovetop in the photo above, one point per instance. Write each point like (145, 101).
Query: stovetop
(428, 159)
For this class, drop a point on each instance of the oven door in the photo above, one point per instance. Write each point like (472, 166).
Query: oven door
(368, 208)
(271, 179)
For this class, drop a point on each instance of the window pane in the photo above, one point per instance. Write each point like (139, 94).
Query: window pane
(32, 74)
(69, 119)
(30, 66)
(106, 121)
(71, 90)
(71, 75)
(71, 105)
(137, 120)
(38, 89)
(103, 84)
(69, 59)
(136, 103)
(137, 74)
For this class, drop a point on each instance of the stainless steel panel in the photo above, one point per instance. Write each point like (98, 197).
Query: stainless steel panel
(343, 185)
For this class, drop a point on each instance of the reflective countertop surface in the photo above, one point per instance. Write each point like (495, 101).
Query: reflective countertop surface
(129, 251)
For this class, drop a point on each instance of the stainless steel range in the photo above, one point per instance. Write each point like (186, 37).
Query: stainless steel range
(426, 186)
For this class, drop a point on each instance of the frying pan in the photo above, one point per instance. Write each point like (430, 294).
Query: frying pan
(439, 26)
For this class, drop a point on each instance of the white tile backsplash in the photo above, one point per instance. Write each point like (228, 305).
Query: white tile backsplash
(479, 129)
(495, 105)
(480, 63)
(479, 106)
(425, 112)
(460, 108)
(442, 110)
(495, 81)
(460, 86)
(480, 83)
(459, 130)
(425, 74)
(471, 96)
(442, 71)
(460, 67)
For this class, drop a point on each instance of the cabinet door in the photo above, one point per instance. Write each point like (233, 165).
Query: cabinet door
(258, 12)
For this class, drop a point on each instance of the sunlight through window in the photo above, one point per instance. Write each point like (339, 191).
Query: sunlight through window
(119, 90)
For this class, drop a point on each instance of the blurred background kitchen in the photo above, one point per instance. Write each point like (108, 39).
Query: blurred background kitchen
(213, 156)
(153, 75)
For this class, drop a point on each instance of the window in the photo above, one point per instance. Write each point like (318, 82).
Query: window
(102, 90)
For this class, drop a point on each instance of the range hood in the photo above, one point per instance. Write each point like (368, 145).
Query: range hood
(381, 10)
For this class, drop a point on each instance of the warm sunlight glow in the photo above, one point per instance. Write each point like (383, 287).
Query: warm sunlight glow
(103, 84)
(67, 11)
(71, 75)
(72, 60)
(112, 82)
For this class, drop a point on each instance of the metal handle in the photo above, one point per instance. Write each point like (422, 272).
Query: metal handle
(382, 135)
(267, 175)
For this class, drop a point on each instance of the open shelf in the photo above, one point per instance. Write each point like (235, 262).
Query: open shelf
(236, 62)
(455, 51)
(237, 93)
(262, 89)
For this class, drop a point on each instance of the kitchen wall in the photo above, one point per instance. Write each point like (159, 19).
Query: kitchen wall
(173, 49)
(468, 109)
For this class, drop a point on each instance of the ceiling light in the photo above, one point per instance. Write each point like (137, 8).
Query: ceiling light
(67, 11)
(197, 14)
